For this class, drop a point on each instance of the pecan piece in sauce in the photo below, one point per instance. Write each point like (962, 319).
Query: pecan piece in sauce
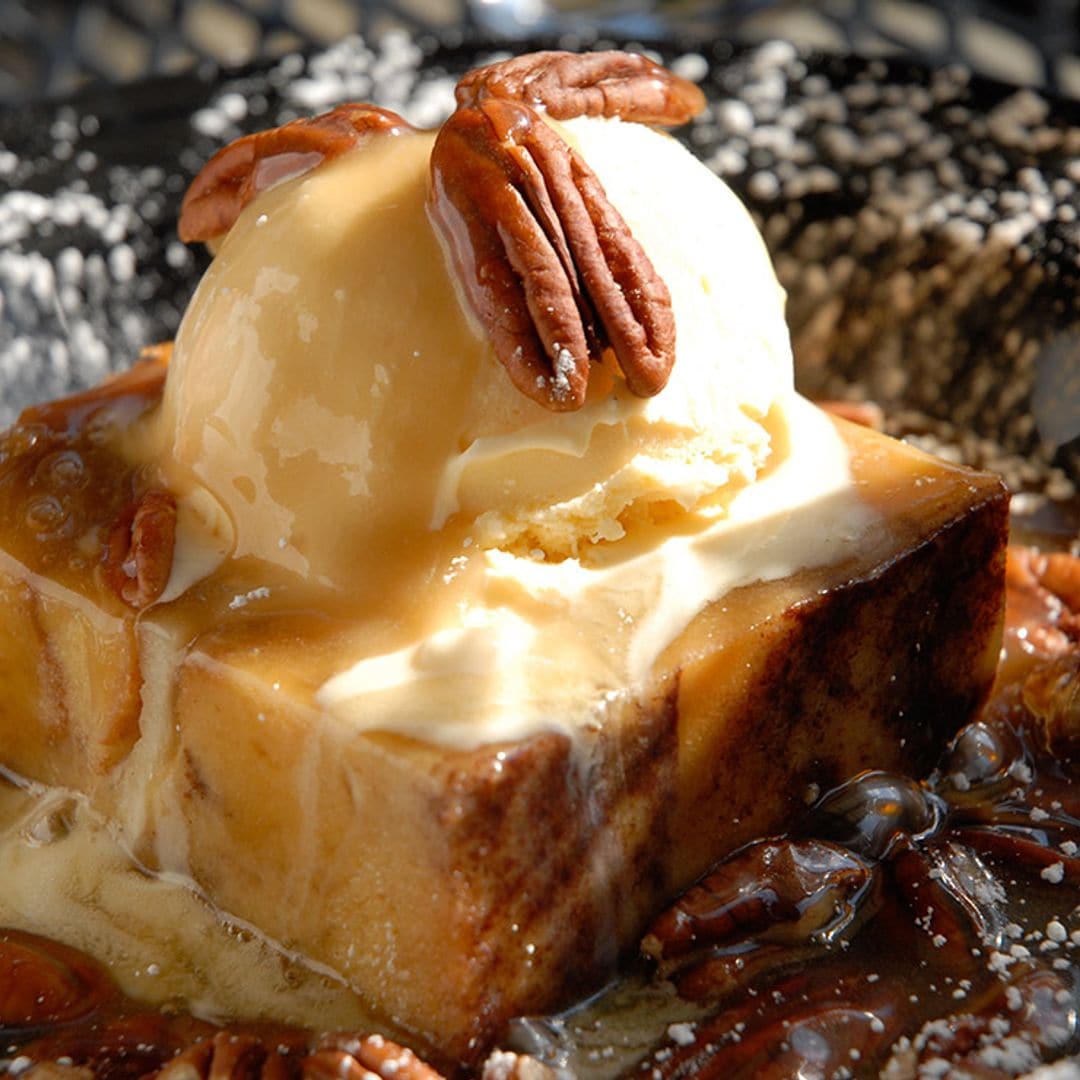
(363, 1058)
(227, 1056)
(139, 554)
(1041, 653)
(1052, 694)
(800, 888)
(255, 163)
(1042, 618)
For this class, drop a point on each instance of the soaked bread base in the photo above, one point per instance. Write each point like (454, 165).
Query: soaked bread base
(449, 888)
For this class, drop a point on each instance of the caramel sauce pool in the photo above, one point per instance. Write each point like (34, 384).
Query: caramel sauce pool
(935, 933)
(907, 929)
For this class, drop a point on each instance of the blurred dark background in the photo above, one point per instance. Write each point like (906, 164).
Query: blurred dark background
(54, 48)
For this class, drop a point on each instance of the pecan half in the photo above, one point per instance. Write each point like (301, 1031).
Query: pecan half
(139, 554)
(541, 251)
(1042, 609)
(783, 889)
(226, 1056)
(371, 1056)
(255, 163)
(565, 84)
(1052, 694)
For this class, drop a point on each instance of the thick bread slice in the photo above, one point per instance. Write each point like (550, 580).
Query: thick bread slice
(452, 889)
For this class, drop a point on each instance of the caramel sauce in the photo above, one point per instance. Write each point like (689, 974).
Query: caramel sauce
(905, 928)
(62, 483)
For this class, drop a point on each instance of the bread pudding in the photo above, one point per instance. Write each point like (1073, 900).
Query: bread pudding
(469, 577)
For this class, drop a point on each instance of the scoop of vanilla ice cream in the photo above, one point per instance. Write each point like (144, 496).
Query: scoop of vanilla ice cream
(707, 434)
(332, 395)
